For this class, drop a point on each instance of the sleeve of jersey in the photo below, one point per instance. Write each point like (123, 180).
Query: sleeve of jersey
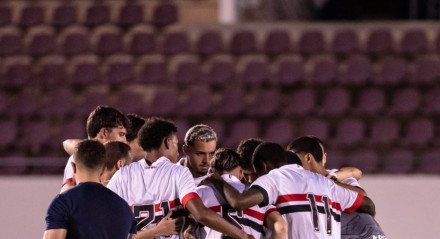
(57, 214)
(352, 181)
(68, 171)
(264, 185)
(357, 203)
(186, 187)
(115, 184)
(349, 200)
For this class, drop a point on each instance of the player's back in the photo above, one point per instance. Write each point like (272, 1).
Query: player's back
(153, 190)
(310, 203)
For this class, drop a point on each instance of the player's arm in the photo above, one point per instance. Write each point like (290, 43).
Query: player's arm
(69, 145)
(237, 200)
(276, 223)
(348, 172)
(167, 226)
(367, 206)
(55, 234)
(352, 188)
(211, 219)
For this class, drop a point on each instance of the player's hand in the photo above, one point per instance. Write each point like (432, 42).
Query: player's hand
(191, 231)
(169, 226)
(248, 236)
(213, 178)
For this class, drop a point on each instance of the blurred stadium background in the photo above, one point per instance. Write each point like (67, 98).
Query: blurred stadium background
(361, 75)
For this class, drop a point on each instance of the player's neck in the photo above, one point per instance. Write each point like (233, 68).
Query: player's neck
(82, 177)
(152, 156)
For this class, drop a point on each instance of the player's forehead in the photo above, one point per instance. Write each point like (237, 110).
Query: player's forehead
(204, 146)
(118, 129)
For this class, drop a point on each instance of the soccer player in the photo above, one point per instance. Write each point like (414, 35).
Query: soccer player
(227, 163)
(89, 210)
(245, 149)
(136, 123)
(103, 124)
(199, 148)
(156, 185)
(117, 155)
(312, 152)
(310, 203)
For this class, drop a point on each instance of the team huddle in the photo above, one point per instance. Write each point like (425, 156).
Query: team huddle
(127, 181)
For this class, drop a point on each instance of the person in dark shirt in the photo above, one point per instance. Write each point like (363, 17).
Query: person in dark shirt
(89, 210)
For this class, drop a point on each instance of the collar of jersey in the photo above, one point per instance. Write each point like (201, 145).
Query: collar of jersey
(158, 161)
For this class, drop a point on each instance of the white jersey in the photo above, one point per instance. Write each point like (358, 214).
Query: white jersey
(197, 180)
(68, 171)
(153, 190)
(251, 220)
(350, 181)
(310, 203)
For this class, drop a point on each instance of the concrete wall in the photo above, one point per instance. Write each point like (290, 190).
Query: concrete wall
(406, 206)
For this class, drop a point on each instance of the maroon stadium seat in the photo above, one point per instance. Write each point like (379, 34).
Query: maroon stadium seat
(36, 134)
(118, 69)
(300, 102)
(84, 69)
(164, 102)
(64, 15)
(370, 101)
(345, 41)
(209, 42)
(365, 159)
(279, 131)
(11, 41)
(357, 70)
(288, 70)
(426, 70)
(335, 101)
(97, 14)
(414, 41)
(311, 42)
(265, 103)
(232, 102)
(405, 101)
(379, 41)
(277, 42)
(349, 132)
(253, 69)
(392, 71)
(130, 14)
(140, 39)
(185, 69)
(106, 40)
(74, 40)
(431, 101)
(241, 129)
(10, 130)
(219, 70)
(151, 69)
(88, 101)
(197, 101)
(243, 42)
(31, 15)
(398, 161)
(16, 70)
(40, 40)
(175, 41)
(164, 14)
(50, 71)
(324, 70)
(5, 15)
(61, 103)
(317, 127)
(429, 162)
(131, 100)
(419, 132)
(384, 132)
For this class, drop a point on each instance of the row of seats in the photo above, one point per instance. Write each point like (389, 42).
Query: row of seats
(285, 70)
(235, 100)
(28, 13)
(208, 40)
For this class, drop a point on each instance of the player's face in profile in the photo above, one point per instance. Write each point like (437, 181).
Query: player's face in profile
(200, 155)
(136, 150)
(173, 145)
(117, 134)
(249, 175)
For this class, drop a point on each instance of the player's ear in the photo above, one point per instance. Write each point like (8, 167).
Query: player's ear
(120, 163)
(165, 141)
(73, 167)
(185, 149)
(102, 134)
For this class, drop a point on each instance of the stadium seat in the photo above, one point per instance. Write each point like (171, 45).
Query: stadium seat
(218, 126)
(419, 132)
(130, 14)
(288, 70)
(392, 71)
(370, 102)
(131, 100)
(117, 69)
(379, 41)
(175, 41)
(426, 70)
(265, 103)
(431, 101)
(243, 42)
(5, 15)
(239, 130)
(151, 69)
(185, 69)
(398, 161)
(50, 71)
(311, 42)
(89, 99)
(83, 69)
(315, 126)
(40, 40)
(335, 102)
(300, 102)
(232, 102)
(182, 126)
(197, 101)
(384, 132)
(356, 71)
(74, 128)
(253, 69)
(60, 103)
(140, 40)
(106, 40)
(209, 42)
(35, 135)
(277, 42)
(365, 159)
(164, 102)
(429, 162)
(11, 41)
(164, 14)
(28, 103)
(49, 165)
(349, 132)
(5, 103)
(14, 165)
(335, 159)
(219, 70)
(97, 14)
(73, 40)
(16, 71)
(324, 70)
(279, 131)
(31, 15)
(405, 101)
(414, 42)
(10, 131)
(345, 42)
(64, 15)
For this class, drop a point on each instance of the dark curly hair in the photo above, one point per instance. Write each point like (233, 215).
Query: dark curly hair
(154, 131)
(245, 149)
(105, 117)
(136, 123)
(225, 160)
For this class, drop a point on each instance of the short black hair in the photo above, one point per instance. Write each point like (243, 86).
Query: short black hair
(245, 149)
(136, 123)
(225, 160)
(114, 151)
(292, 158)
(90, 154)
(154, 131)
(271, 154)
(308, 144)
(105, 117)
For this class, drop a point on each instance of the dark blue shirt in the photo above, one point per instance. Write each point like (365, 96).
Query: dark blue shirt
(90, 210)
